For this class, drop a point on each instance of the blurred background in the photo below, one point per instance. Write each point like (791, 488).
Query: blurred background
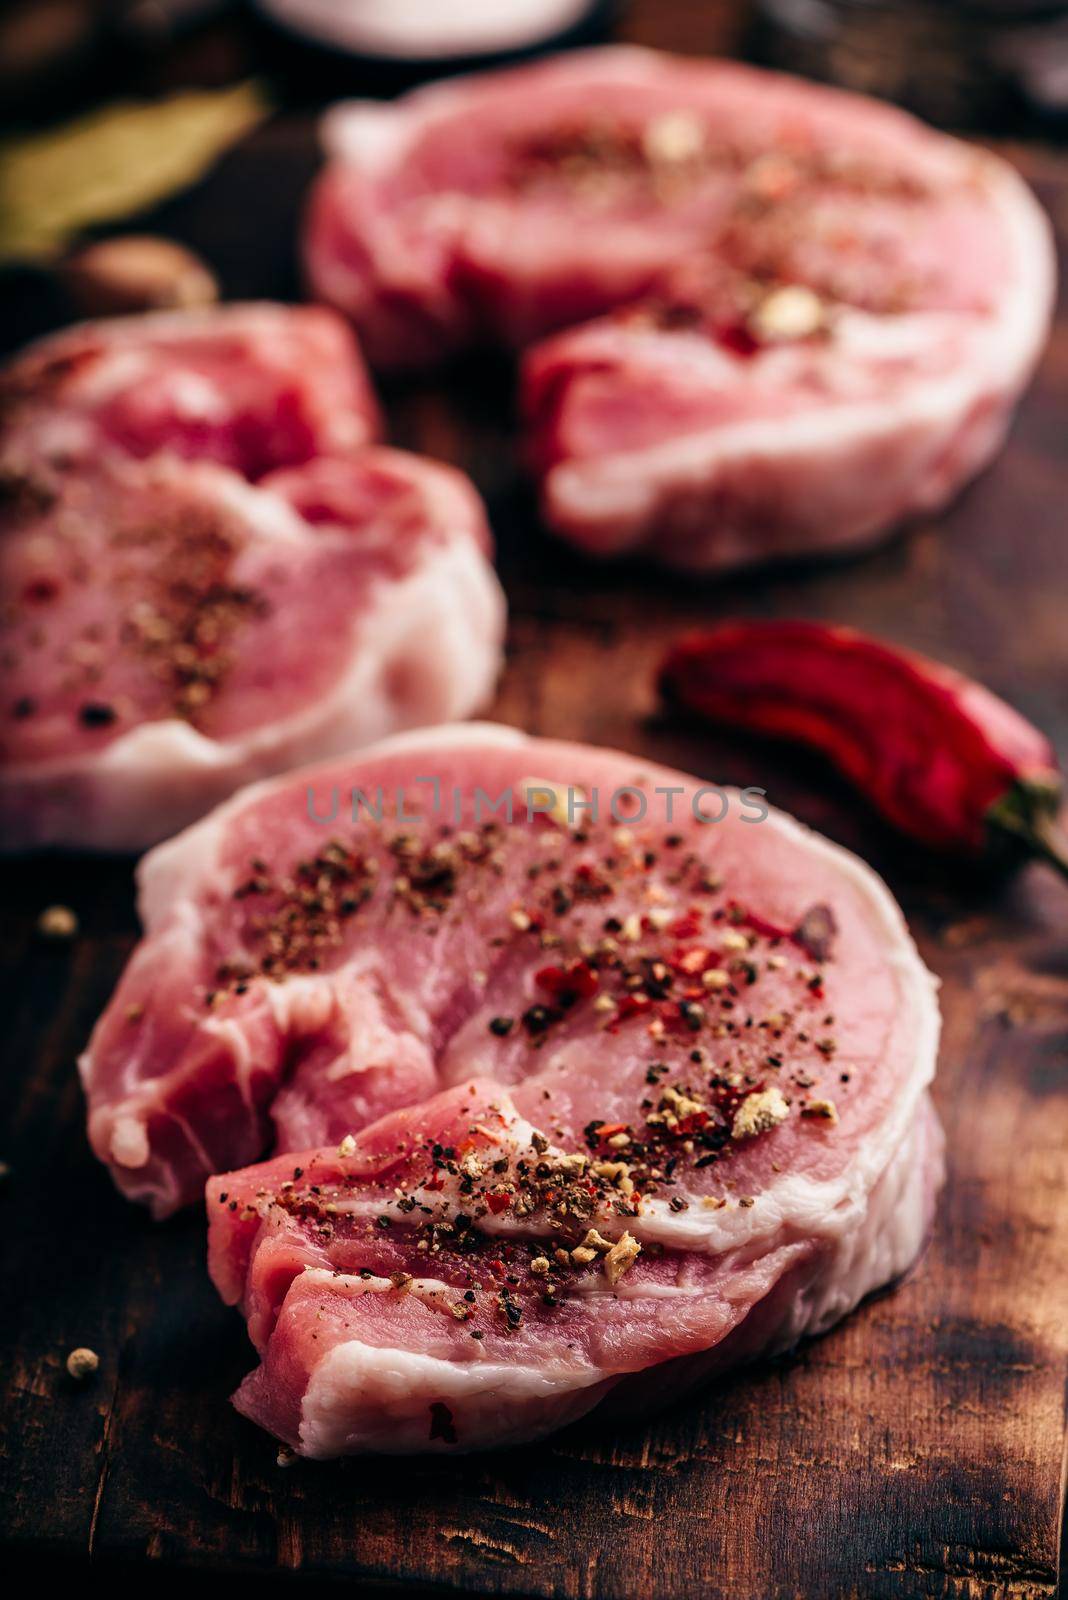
(979, 63)
(121, 116)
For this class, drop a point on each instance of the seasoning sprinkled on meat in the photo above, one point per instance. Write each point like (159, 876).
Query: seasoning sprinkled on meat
(200, 571)
(520, 1158)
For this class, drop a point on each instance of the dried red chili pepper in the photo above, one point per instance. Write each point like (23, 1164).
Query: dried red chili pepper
(938, 755)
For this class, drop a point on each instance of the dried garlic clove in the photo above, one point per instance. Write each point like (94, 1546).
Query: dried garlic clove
(137, 272)
(793, 312)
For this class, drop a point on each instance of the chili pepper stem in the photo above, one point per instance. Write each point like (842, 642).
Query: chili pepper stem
(1039, 833)
(1051, 844)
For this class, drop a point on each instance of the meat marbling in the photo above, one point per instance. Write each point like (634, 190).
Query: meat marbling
(821, 311)
(479, 1046)
(173, 631)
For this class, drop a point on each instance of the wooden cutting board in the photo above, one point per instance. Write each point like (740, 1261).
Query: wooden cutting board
(915, 1451)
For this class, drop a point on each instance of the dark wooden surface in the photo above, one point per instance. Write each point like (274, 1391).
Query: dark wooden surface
(916, 1450)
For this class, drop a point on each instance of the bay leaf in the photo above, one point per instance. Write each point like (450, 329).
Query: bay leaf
(114, 162)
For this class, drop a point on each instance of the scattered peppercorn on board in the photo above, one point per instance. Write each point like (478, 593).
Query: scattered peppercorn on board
(917, 1449)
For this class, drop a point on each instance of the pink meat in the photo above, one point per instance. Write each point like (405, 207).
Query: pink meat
(172, 632)
(254, 387)
(305, 976)
(394, 1311)
(700, 421)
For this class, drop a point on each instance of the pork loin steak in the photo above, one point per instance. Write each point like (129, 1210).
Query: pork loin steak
(629, 1091)
(828, 309)
(254, 387)
(173, 632)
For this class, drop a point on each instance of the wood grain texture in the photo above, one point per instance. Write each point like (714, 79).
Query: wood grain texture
(918, 1450)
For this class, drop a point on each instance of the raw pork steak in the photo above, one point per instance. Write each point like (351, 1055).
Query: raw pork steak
(254, 387)
(170, 631)
(823, 310)
(174, 632)
(665, 1083)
